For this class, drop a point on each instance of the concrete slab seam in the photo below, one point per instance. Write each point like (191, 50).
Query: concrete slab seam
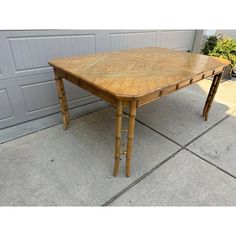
(107, 203)
(203, 159)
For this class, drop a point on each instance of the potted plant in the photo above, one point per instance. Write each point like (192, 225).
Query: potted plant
(224, 47)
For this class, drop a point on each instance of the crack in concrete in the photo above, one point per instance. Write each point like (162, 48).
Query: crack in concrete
(107, 203)
(211, 163)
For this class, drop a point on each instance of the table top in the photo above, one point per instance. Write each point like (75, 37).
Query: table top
(136, 72)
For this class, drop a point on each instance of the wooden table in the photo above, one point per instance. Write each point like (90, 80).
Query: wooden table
(133, 78)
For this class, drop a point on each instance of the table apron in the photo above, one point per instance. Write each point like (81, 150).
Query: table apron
(87, 86)
(147, 98)
(142, 100)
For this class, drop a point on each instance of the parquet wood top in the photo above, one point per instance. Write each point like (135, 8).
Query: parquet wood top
(137, 72)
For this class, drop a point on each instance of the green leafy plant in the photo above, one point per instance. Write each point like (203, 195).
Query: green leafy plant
(209, 45)
(222, 47)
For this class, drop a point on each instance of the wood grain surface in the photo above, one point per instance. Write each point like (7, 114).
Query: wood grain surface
(138, 72)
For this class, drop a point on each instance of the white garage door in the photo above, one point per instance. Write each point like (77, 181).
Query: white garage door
(27, 89)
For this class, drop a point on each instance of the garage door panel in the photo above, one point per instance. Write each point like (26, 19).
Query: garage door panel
(6, 63)
(181, 40)
(5, 106)
(37, 96)
(35, 52)
(122, 41)
(73, 92)
(44, 111)
(43, 95)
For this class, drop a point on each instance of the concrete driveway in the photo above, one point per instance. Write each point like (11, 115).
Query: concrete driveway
(178, 159)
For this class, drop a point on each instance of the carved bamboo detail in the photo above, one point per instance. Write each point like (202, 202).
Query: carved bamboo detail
(130, 137)
(63, 102)
(118, 125)
(211, 95)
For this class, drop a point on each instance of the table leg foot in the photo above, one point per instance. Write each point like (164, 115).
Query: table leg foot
(116, 167)
(127, 171)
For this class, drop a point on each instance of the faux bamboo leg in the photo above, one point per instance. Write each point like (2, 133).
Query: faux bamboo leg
(63, 103)
(211, 95)
(130, 138)
(119, 111)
